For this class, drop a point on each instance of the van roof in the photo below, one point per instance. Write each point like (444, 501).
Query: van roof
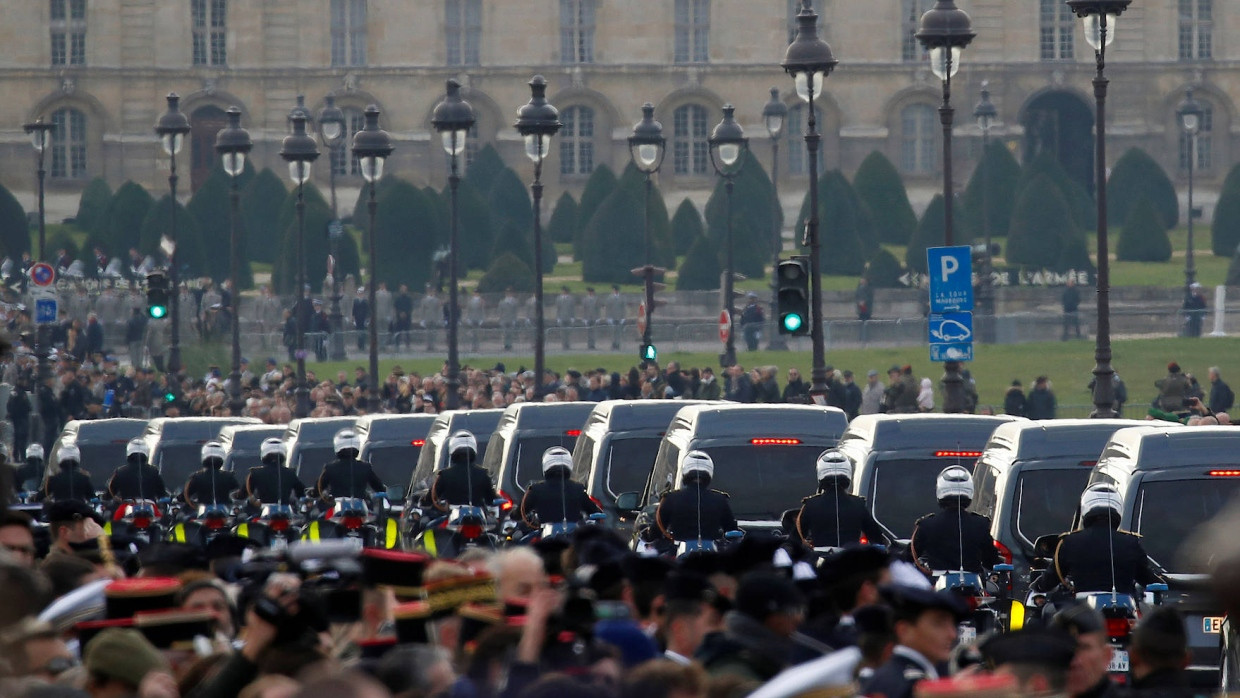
(714, 420)
(1159, 448)
(894, 432)
(318, 427)
(1055, 438)
(635, 415)
(536, 415)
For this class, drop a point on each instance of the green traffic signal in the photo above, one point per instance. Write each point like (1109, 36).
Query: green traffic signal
(649, 352)
(157, 311)
(793, 322)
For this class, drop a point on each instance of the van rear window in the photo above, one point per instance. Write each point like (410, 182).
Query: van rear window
(1046, 500)
(902, 491)
(394, 464)
(629, 462)
(529, 457)
(764, 481)
(1167, 512)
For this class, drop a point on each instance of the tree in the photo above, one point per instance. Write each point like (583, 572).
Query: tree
(191, 257)
(474, 233)
(1226, 227)
(511, 242)
(93, 205)
(1080, 204)
(662, 251)
(701, 270)
(1144, 237)
(260, 215)
(884, 270)
(992, 187)
(881, 189)
(507, 272)
(212, 209)
(361, 213)
(612, 242)
(753, 218)
(1041, 224)
(1233, 270)
(1137, 177)
(686, 227)
(599, 186)
(486, 166)
(122, 224)
(931, 233)
(315, 243)
(843, 222)
(403, 243)
(562, 226)
(512, 213)
(14, 227)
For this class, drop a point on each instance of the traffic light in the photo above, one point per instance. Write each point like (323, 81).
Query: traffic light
(156, 295)
(649, 353)
(793, 296)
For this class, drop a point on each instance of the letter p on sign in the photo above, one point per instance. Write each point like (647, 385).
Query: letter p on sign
(949, 266)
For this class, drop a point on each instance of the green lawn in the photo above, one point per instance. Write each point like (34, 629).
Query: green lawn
(1067, 364)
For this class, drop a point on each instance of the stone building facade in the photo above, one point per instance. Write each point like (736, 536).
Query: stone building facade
(100, 69)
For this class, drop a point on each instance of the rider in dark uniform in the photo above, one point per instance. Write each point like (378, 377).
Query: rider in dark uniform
(558, 498)
(211, 485)
(137, 479)
(272, 482)
(71, 482)
(695, 511)
(1098, 556)
(347, 476)
(462, 482)
(833, 517)
(30, 475)
(952, 538)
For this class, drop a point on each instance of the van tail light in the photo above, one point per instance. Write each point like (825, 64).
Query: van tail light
(864, 540)
(1088, 463)
(142, 522)
(418, 442)
(352, 522)
(596, 502)
(1004, 552)
(1224, 473)
(971, 602)
(957, 454)
(573, 433)
(279, 524)
(1118, 628)
(774, 442)
(507, 505)
(471, 531)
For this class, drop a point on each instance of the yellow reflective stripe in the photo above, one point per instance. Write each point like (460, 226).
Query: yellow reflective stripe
(243, 530)
(107, 528)
(391, 534)
(1016, 619)
(428, 541)
(312, 533)
(178, 533)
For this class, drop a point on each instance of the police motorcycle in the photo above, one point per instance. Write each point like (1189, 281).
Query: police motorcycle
(374, 522)
(557, 466)
(139, 519)
(463, 526)
(1120, 609)
(277, 524)
(208, 521)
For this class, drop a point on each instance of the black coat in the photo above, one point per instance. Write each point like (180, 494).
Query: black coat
(1040, 404)
(678, 517)
(1083, 555)
(349, 478)
(817, 521)
(1014, 402)
(274, 484)
(954, 539)
(895, 679)
(461, 484)
(128, 483)
(70, 484)
(1221, 396)
(557, 499)
(210, 486)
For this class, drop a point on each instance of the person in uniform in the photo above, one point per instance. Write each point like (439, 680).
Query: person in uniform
(925, 628)
(137, 479)
(475, 315)
(1038, 658)
(432, 315)
(1088, 675)
(952, 538)
(361, 315)
(273, 482)
(695, 512)
(462, 482)
(210, 485)
(834, 517)
(30, 475)
(565, 314)
(347, 476)
(71, 483)
(615, 315)
(589, 315)
(508, 317)
(1098, 556)
(558, 498)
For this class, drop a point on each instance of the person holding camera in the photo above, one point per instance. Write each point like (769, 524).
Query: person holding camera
(347, 476)
(462, 483)
(558, 498)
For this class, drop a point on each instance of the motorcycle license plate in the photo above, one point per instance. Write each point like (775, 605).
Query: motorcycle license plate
(1119, 662)
(967, 635)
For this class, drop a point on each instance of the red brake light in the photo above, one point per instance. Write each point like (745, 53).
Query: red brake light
(214, 523)
(279, 524)
(471, 531)
(957, 454)
(596, 502)
(1224, 473)
(774, 442)
(1004, 552)
(142, 522)
(507, 501)
(1088, 463)
(1118, 627)
(573, 432)
(352, 522)
(418, 442)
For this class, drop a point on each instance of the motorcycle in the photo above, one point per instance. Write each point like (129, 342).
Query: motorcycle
(139, 519)
(971, 588)
(350, 517)
(274, 527)
(209, 522)
(465, 527)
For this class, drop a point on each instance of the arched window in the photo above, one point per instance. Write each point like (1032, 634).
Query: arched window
(68, 144)
(918, 153)
(343, 162)
(690, 152)
(794, 132)
(577, 141)
(1205, 141)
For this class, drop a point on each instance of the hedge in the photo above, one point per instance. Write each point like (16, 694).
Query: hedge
(881, 189)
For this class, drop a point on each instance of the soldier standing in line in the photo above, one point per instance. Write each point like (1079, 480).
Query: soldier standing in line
(432, 315)
(508, 317)
(615, 315)
(589, 315)
(565, 314)
(475, 315)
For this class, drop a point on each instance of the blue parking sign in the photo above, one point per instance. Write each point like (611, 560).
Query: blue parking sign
(951, 337)
(45, 311)
(951, 278)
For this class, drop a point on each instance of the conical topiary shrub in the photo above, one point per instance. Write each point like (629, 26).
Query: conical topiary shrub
(1144, 237)
(881, 189)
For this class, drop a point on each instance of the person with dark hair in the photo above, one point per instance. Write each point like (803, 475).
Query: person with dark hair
(17, 537)
(664, 679)
(1172, 389)
(1159, 654)
(683, 623)
(1087, 674)
(925, 629)
(1038, 658)
(760, 633)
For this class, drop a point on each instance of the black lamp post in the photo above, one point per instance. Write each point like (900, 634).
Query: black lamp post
(537, 122)
(39, 130)
(774, 114)
(1190, 114)
(727, 147)
(945, 31)
(986, 114)
(809, 61)
(233, 144)
(647, 147)
(372, 146)
(1099, 18)
(300, 150)
(331, 130)
(171, 129)
(453, 117)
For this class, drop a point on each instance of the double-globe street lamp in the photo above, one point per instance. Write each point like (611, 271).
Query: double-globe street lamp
(331, 124)
(372, 146)
(809, 61)
(647, 147)
(453, 118)
(39, 130)
(1190, 114)
(299, 150)
(945, 31)
(537, 122)
(1099, 19)
(233, 143)
(774, 114)
(727, 145)
(172, 128)
(986, 114)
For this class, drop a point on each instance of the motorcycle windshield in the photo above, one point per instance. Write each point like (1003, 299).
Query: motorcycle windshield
(1167, 513)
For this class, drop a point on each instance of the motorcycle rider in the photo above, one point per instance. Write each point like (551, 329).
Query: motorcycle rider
(71, 482)
(558, 498)
(347, 476)
(30, 474)
(1098, 556)
(210, 485)
(272, 482)
(833, 517)
(137, 479)
(462, 482)
(952, 538)
(695, 511)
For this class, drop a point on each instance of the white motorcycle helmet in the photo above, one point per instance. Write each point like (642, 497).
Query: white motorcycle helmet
(212, 451)
(464, 442)
(34, 451)
(834, 464)
(1101, 496)
(697, 465)
(347, 440)
(68, 453)
(556, 457)
(272, 447)
(954, 481)
(137, 447)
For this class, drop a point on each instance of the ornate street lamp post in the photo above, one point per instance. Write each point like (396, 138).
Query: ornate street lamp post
(299, 150)
(233, 144)
(331, 130)
(171, 129)
(647, 147)
(1190, 114)
(986, 114)
(39, 130)
(727, 149)
(372, 146)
